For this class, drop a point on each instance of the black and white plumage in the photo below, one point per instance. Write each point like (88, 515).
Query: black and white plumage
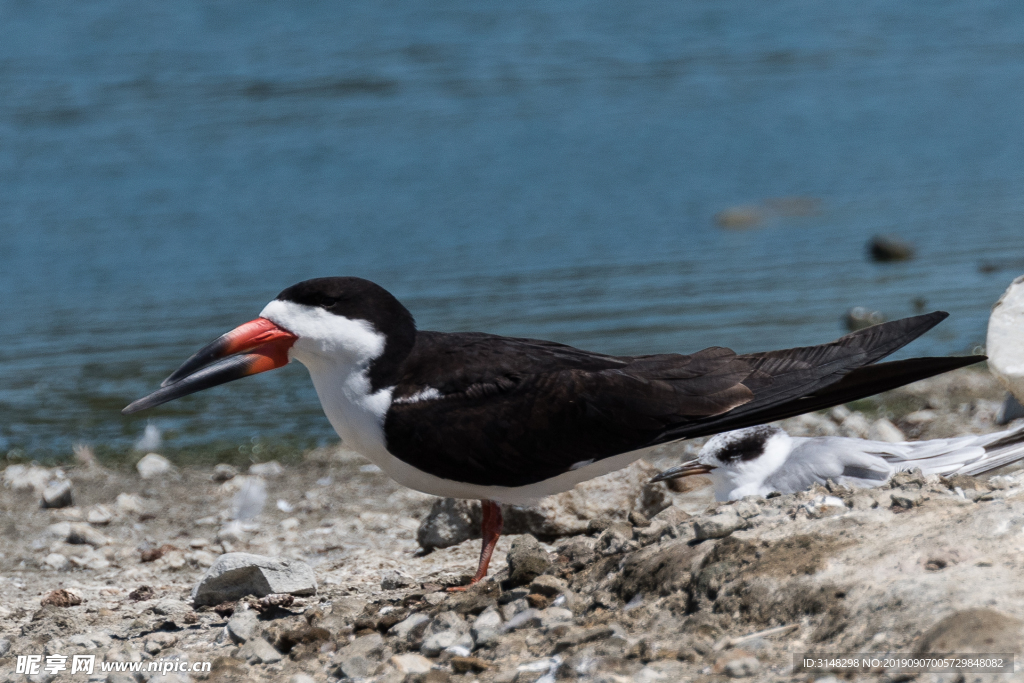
(473, 415)
(765, 459)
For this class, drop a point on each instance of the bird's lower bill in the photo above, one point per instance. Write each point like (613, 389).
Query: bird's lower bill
(687, 469)
(257, 346)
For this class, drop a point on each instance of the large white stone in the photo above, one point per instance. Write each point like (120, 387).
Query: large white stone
(235, 575)
(153, 465)
(1005, 344)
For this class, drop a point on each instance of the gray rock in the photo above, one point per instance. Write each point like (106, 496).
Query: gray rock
(617, 538)
(553, 616)
(90, 640)
(747, 507)
(236, 575)
(83, 534)
(449, 522)
(5, 646)
(360, 657)
(259, 651)
(742, 667)
(526, 560)
(514, 607)
(528, 618)
(445, 630)
(548, 585)
(487, 628)
(243, 626)
(718, 525)
(224, 472)
(578, 551)
(161, 640)
(371, 646)
(1010, 410)
(57, 494)
(394, 579)
(153, 465)
(410, 631)
(907, 499)
(355, 666)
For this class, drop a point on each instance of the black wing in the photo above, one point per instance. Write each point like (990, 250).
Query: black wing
(516, 411)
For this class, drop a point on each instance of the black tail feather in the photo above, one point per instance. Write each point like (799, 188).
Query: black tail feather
(815, 378)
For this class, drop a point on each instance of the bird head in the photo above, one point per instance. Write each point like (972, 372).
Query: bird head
(343, 322)
(738, 461)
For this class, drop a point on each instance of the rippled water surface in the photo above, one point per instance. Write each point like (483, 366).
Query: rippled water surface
(526, 168)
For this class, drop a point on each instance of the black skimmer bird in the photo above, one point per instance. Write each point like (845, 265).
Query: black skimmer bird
(759, 460)
(507, 420)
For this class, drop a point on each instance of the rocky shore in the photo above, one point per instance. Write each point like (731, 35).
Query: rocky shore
(616, 581)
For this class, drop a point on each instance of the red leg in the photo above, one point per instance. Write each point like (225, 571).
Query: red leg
(490, 530)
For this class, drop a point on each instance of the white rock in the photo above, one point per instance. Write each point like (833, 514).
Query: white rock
(919, 417)
(129, 502)
(57, 494)
(99, 515)
(411, 663)
(552, 616)
(718, 525)
(839, 413)
(411, 629)
(232, 532)
(394, 579)
(26, 477)
(742, 667)
(153, 465)
(437, 643)
(243, 626)
(856, 425)
(57, 562)
(236, 575)
(1005, 342)
(80, 534)
(266, 469)
(259, 651)
(884, 430)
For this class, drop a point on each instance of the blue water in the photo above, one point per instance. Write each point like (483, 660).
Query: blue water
(527, 168)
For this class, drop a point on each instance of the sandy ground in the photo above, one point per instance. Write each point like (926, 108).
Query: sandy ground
(920, 567)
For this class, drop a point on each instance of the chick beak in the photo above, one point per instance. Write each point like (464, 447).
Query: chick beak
(687, 469)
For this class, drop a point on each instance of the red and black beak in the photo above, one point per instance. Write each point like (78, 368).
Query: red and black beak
(687, 469)
(257, 346)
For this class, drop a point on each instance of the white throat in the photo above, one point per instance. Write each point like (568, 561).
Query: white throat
(338, 352)
(747, 478)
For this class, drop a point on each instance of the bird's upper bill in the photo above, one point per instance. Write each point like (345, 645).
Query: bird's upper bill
(257, 346)
(687, 469)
